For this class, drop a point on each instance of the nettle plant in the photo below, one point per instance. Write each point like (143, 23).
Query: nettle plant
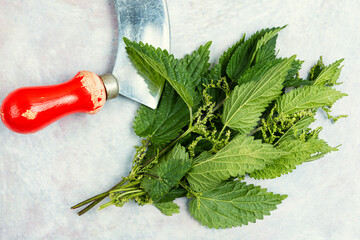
(216, 125)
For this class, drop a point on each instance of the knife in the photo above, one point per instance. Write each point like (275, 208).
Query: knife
(29, 109)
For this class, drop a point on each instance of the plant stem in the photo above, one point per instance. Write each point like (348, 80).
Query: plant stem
(130, 184)
(105, 205)
(130, 192)
(145, 173)
(93, 204)
(89, 200)
(219, 104)
(123, 189)
(221, 132)
(191, 117)
(254, 131)
(96, 199)
(164, 150)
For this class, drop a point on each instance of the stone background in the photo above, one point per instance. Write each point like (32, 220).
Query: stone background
(43, 174)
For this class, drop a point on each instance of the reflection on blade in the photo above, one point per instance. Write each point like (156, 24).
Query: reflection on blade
(146, 21)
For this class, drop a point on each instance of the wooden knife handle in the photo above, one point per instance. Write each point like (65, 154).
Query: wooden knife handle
(29, 109)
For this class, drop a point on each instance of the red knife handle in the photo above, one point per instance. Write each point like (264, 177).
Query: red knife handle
(29, 109)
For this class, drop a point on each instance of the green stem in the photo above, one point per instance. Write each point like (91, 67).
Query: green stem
(191, 117)
(96, 199)
(138, 194)
(130, 192)
(254, 131)
(105, 205)
(131, 196)
(130, 184)
(184, 186)
(145, 173)
(93, 204)
(164, 150)
(219, 104)
(187, 188)
(123, 189)
(89, 200)
(221, 132)
(216, 108)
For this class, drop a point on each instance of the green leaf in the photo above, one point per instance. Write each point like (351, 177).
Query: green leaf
(160, 179)
(226, 56)
(329, 75)
(233, 204)
(173, 70)
(163, 124)
(266, 52)
(167, 208)
(145, 69)
(298, 128)
(316, 70)
(176, 192)
(255, 73)
(307, 97)
(297, 82)
(245, 53)
(292, 79)
(157, 59)
(212, 74)
(243, 108)
(298, 153)
(242, 155)
(197, 64)
(202, 157)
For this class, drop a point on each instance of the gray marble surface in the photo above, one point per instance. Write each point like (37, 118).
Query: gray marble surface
(43, 174)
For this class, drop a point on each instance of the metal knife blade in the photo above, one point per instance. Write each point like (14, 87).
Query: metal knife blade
(146, 21)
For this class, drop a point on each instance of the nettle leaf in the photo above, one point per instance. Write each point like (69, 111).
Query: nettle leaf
(177, 72)
(167, 208)
(233, 204)
(160, 179)
(295, 67)
(245, 53)
(292, 80)
(164, 64)
(296, 130)
(316, 69)
(296, 82)
(243, 108)
(197, 63)
(307, 97)
(163, 124)
(226, 56)
(145, 70)
(298, 153)
(176, 192)
(157, 59)
(266, 52)
(212, 74)
(329, 75)
(255, 73)
(242, 155)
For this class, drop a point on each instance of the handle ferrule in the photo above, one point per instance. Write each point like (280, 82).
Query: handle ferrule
(111, 85)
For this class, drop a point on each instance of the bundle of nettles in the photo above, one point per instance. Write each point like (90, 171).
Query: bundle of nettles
(216, 125)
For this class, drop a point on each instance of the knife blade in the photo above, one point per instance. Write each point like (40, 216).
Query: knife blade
(29, 109)
(146, 21)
